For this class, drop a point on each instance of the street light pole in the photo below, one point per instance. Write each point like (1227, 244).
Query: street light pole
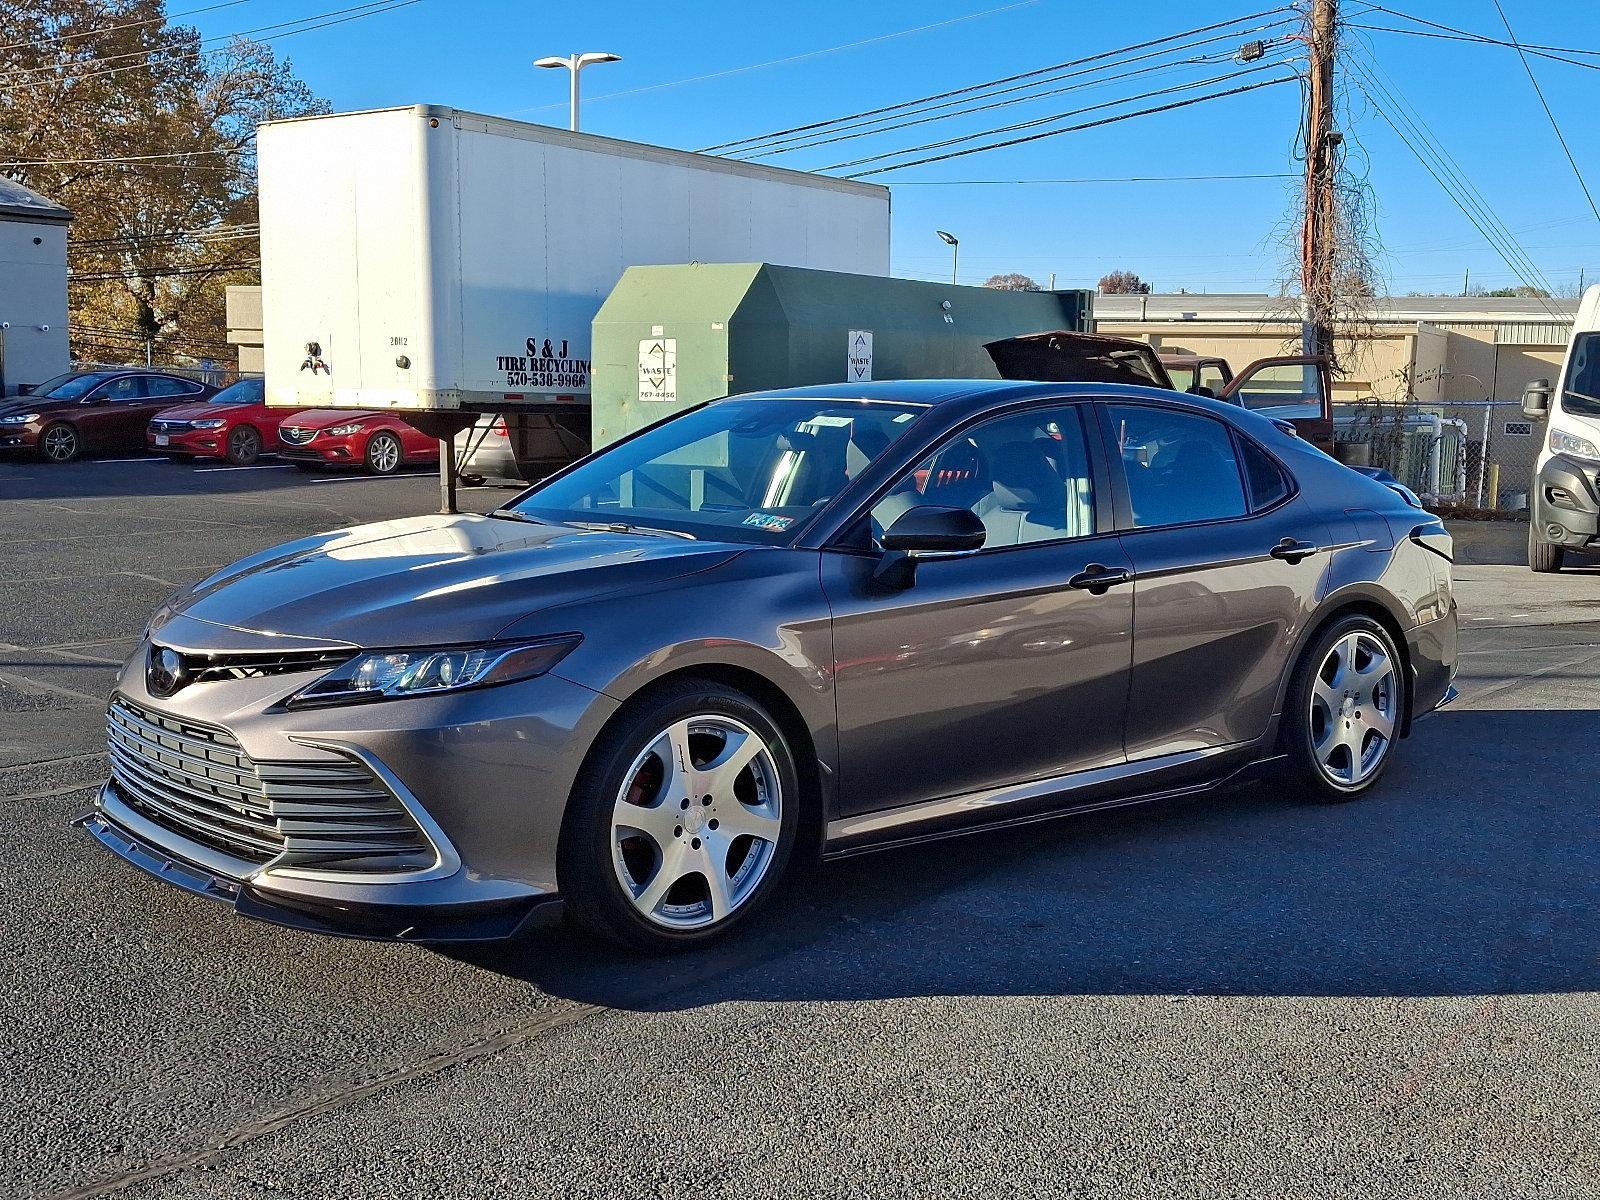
(575, 63)
(954, 243)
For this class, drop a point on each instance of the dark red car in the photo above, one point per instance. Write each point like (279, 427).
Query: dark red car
(235, 424)
(92, 410)
(381, 442)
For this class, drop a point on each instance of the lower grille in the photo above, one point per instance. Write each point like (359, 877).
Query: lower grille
(196, 781)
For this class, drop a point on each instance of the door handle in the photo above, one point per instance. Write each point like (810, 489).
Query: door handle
(1095, 579)
(1292, 551)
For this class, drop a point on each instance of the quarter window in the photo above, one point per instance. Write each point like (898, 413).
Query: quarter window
(1026, 476)
(1180, 467)
(159, 386)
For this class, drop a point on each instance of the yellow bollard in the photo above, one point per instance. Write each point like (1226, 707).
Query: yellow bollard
(1494, 486)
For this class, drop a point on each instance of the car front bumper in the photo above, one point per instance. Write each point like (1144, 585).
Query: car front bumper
(19, 437)
(197, 443)
(348, 450)
(486, 775)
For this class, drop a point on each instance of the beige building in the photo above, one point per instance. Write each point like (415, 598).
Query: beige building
(1444, 353)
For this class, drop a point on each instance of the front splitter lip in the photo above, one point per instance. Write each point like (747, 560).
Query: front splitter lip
(487, 921)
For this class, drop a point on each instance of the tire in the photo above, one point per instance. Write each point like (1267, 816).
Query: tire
(611, 872)
(59, 443)
(244, 446)
(1542, 556)
(384, 454)
(1326, 710)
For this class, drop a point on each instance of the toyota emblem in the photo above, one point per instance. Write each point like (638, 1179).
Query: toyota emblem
(164, 672)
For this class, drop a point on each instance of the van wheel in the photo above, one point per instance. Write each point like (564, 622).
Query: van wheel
(1345, 710)
(1542, 556)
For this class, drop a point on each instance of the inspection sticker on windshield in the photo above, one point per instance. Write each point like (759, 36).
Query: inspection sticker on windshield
(769, 521)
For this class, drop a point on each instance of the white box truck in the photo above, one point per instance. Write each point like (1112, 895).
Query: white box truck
(424, 258)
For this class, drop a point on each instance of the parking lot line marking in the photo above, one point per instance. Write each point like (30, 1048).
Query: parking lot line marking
(230, 470)
(34, 687)
(365, 478)
(149, 458)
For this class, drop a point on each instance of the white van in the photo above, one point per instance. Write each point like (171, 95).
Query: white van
(1564, 510)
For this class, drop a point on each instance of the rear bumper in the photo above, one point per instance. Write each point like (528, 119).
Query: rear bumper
(432, 911)
(1431, 649)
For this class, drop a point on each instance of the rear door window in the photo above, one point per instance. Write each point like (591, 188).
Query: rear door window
(1181, 467)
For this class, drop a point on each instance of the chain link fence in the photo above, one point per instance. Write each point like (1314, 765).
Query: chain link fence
(1447, 452)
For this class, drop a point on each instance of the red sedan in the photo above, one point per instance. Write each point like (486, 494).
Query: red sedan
(235, 424)
(334, 437)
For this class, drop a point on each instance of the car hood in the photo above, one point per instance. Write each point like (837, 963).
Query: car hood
(199, 412)
(24, 404)
(321, 418)
(433, 580)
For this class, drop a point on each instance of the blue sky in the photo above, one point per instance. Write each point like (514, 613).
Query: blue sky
(1218, 235)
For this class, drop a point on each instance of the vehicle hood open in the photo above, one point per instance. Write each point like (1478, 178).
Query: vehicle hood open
(1065, 356)
(433, 580)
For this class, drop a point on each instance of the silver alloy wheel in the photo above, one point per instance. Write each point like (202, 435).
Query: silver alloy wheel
(1355, 701)
(384, 453)
(696, 824)
(60, 443)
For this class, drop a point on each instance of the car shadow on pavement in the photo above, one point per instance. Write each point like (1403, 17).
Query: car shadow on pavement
(1472, 870)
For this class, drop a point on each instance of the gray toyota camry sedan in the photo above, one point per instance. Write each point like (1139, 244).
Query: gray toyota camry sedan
(798, 623)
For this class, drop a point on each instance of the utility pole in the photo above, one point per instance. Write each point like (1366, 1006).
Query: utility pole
(1318, 249)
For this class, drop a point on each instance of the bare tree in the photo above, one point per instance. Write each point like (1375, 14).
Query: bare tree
(1012, 283)
(1123, 283)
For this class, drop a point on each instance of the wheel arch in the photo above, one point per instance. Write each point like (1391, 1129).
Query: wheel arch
(1352, 601)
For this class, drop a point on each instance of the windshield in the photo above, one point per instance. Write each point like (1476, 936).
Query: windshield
(1580, 394)
(69, 386)
(246, 391)
(737, 470)
(1182, 377)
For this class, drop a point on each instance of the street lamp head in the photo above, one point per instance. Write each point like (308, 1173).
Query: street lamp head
(949, 239)
(596, 56)
(552, 62)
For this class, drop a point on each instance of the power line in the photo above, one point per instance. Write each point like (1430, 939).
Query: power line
(1476, 37)
(1038, 121)
(161, 20)
(899, 183)
(987, 84)
(1539, 91)
(127, 158)
(966, 106)
(1034, 137)
(1479, 40)
(164, 272)
(778, 62)
(372, 9)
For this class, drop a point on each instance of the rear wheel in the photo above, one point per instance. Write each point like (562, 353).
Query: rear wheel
(60, 443)
(244, 446)
(1345, 709)
(682, 819)
(384, 454)
(1542, 556)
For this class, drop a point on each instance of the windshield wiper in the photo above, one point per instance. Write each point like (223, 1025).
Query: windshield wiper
(626, 527)
(511, 514)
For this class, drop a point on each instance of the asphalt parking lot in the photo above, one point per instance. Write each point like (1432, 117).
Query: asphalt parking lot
(1246, 995)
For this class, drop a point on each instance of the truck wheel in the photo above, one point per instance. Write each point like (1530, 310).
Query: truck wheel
(1542, 556)
(384, 454)
(244, 446)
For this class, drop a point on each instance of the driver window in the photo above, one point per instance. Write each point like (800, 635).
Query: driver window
(119, 391)
(1026, 477)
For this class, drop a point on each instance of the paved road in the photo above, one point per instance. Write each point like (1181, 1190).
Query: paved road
(1243, 996)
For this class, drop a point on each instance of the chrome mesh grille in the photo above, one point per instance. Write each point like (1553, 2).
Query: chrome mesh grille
(196, 781)
(295, 437)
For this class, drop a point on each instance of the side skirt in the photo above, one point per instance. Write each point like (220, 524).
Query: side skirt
(958, 816)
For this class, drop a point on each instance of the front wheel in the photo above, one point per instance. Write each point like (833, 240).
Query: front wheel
(1345, 710)
(60, 443)
(384, 454)
(1542, 556)
(682, 819)
(244, 446)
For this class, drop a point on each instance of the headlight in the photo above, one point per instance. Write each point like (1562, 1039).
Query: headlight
(391, 674)
(341, 430)
(19, 418)
(210, 423)
(1566, 443)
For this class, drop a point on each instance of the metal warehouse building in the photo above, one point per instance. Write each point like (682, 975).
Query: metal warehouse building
(33, 287)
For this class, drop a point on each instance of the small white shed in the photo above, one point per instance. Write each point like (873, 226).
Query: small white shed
(33, 287)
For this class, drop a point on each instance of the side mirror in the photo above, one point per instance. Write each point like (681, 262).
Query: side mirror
(1536, 400)
(927, 529)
